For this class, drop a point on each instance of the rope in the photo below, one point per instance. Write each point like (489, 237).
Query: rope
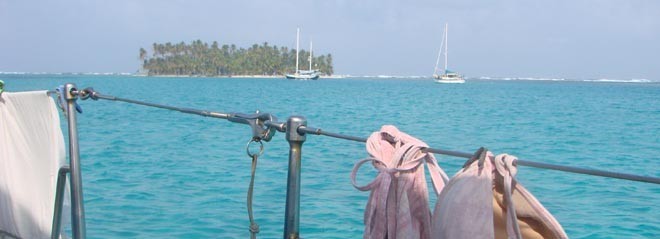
(254, 227)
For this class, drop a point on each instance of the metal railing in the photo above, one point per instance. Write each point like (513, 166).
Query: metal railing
(59, 202)
(68, 95)
(263, 127)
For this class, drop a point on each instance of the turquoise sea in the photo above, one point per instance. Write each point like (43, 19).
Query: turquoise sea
(153, 173)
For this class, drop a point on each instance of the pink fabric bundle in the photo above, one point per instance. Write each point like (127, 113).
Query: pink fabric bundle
(398, 205)
(485, 201)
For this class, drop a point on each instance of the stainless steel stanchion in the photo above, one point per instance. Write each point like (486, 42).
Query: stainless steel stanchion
(70, 94)
(292, 211)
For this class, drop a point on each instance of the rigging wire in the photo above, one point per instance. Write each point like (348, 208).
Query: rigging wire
(317, 131)
(533, 164)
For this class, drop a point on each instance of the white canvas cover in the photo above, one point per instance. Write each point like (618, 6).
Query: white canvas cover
(31, 153)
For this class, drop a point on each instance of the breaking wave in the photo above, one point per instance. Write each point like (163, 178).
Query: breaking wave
(604, 80)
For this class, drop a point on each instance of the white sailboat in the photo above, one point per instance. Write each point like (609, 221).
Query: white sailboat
(300, 74)
(447, 76)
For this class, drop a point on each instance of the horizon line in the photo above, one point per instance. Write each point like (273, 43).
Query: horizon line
(538, 78)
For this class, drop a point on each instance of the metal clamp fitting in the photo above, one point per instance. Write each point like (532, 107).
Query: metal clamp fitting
(256, 121)
(87, 93)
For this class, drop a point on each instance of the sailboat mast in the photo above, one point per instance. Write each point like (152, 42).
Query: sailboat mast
(437, 61)
(442, 45)
(311, 56)
(297, 47)
(446, 44)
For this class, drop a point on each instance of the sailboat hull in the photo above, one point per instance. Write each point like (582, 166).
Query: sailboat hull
(300, 74)
(302, 77)
(448, 77)
(444, 79)
(453, 81)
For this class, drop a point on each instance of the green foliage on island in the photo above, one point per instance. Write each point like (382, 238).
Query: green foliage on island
(202, 59)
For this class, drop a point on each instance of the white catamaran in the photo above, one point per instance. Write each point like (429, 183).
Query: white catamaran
(300, 74)
(447, 76)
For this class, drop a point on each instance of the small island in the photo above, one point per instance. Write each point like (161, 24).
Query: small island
(201, 59)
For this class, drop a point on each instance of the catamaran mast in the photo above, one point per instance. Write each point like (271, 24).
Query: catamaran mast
(297, 47)
(446, 44)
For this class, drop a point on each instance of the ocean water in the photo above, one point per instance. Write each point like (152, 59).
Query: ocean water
(153, 173)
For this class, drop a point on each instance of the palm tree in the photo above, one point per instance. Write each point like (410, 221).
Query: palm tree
(155, 46)
(200, 58)
(143, 54)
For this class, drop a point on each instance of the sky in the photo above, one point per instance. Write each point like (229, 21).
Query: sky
(614, 39)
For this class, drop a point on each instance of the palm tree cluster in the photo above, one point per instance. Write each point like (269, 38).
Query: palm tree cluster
(198, 58)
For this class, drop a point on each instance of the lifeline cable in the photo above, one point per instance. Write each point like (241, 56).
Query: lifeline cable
(317, 131)
(95, 95)
(594, 172)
